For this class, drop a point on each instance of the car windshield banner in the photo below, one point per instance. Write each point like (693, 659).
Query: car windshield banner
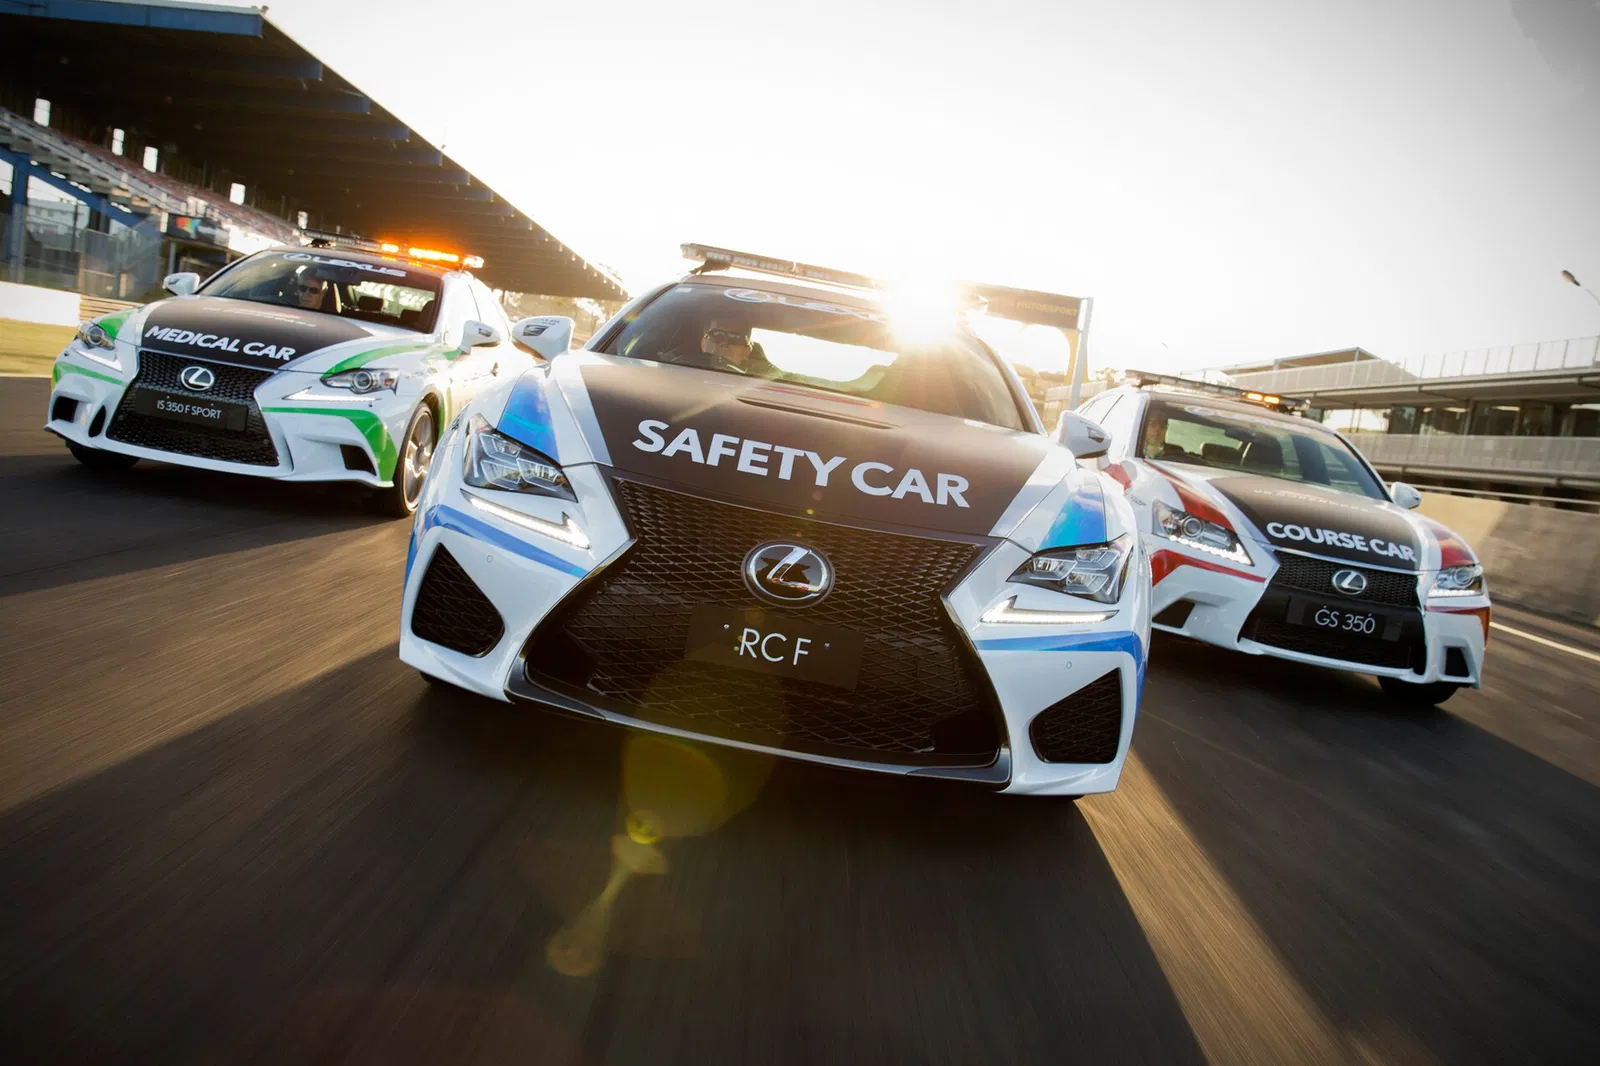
(240, 332)
(1324, 521)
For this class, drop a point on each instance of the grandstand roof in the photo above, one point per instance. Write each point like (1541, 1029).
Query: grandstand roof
(227, 91)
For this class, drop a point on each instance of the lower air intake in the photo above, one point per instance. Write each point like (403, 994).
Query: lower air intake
(1085, 727)
(452, 611)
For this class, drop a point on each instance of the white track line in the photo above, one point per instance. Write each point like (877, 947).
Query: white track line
(1568, 648)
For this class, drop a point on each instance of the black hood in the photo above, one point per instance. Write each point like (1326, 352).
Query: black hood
(805, 450)
(1324, 521)
(241, 332)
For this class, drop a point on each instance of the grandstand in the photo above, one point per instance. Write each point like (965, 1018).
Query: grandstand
(120, 171)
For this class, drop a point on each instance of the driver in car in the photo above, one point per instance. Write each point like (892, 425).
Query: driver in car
(309, 292)
(1155, 434)
(727, 342)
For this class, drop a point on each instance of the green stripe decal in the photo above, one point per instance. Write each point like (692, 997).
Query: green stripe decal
(113, 322)
(70, 368)
(371, 427)
(361, 359)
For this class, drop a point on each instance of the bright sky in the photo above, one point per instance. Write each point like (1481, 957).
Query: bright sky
(1230, 179)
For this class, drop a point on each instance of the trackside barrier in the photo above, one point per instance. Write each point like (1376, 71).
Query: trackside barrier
(1541, 558)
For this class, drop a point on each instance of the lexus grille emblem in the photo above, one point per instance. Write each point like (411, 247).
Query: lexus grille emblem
(788, 574)
(1350, 582)
(198, 378)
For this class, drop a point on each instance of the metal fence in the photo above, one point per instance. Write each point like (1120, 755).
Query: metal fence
(1578, 353)
(1541, 456)
(44, 245)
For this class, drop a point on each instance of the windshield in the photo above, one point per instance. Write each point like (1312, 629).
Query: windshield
(1233, 440)
(852, 350)
(390, 294)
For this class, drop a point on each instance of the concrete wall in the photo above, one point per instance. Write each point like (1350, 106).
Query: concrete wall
(29, 303)
(1535, 557)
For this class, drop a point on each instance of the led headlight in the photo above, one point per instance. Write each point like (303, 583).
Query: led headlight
(95, 343)
(495, 461)
(93, 335)
(1458, 581)
(1094, 572)
(1193, 532)
(364, 380)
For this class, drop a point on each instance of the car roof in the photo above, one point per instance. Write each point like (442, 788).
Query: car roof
(839, 294)
(355, 255)
(1222, 403)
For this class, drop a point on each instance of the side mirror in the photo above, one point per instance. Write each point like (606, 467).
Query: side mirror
(183, 284)
(543, 336)
(476, 334)
(1405, 495)
(1084, 438)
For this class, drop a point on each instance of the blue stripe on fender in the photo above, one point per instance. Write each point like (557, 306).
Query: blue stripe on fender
(527, 416)
(478, 529)
(419, 529)
(1128, 642)
(1082, 519)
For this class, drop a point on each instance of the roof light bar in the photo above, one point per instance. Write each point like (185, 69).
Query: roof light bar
(1019, 305)
(1142, 378)
(319, 238)
(431, 255)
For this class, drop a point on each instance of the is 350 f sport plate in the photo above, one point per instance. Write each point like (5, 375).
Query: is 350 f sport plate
(219, 414)
(774, 644)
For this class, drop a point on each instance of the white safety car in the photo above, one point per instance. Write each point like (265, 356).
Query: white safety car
(304, 364)
(1270, 534)
(760, 510)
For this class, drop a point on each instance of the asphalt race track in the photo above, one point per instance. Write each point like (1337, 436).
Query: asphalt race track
(234, 828)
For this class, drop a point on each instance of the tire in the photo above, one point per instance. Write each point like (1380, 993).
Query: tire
(96, 459)
(1411, 694)
(411, 468)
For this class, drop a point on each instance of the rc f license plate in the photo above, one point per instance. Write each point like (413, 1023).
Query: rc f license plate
(774, 644)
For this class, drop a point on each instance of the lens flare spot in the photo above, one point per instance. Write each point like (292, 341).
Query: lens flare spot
(644, 827)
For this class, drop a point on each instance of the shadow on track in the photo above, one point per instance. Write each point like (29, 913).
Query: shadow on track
(1431, 886)
(365, 869)
(73, 524)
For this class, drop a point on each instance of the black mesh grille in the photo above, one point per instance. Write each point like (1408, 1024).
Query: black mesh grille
(252, 445)
(1299, 575)
(919, 693)
(1303, 574)
(1331, 644)
(452, 611)
(1084, 727)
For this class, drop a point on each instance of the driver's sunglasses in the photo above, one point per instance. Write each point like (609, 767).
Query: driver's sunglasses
(727, 336)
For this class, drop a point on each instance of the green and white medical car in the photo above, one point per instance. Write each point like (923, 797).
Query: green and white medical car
(302, 364)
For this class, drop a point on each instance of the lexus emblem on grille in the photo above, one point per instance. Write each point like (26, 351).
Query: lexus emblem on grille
(1350, 582)
(198, 378)
(790, 574)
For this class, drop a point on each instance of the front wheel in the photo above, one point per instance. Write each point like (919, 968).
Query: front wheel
(411, 470)
(1411, 694)
(96, 459)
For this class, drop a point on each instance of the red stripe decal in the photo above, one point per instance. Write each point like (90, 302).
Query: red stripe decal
(1119, 474)
(1164, 562)
(1453, 551)
(1195, 504)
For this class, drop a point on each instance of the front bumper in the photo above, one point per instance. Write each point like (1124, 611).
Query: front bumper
(533, 585)
(1195, 596)
(287, 439)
